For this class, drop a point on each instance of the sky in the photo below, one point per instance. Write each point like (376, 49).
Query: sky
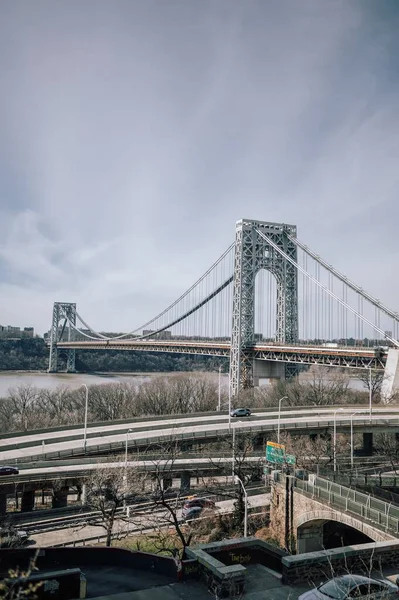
(135, 133)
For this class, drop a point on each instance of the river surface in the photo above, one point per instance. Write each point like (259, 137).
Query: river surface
(12, 379)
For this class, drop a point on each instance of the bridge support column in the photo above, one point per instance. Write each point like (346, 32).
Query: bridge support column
(62, 311)
(60, 497)
(368, 444)
(267, 369)
(261, 245)
(310, 537)
(390, 382)
(28, 501)
(185, 482)
(166, 483)
(3, 504)
(83, 497)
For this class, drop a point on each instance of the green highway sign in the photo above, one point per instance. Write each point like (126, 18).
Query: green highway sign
(275, 453)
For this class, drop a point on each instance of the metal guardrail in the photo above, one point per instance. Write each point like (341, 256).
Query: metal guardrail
(383, 515)
(147, 424)
(206, 435)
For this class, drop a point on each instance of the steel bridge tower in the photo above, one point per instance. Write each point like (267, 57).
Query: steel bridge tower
(253, 253)
(66, 311)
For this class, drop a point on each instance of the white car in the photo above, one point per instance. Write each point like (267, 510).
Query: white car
(349, 586)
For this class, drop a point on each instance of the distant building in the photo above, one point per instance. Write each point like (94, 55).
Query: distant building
(10, 332)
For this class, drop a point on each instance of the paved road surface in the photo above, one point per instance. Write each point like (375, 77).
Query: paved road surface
(198, 425)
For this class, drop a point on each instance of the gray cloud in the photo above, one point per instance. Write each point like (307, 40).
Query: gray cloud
(134, 134)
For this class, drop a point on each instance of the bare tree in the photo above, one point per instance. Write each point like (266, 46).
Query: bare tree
(22, 403)
(243, 464)
(107, 490)
(112, 401)
(56, 405)
(372, 379)
(165, 513)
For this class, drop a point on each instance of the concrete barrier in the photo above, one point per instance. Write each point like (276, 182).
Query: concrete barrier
(325, 564)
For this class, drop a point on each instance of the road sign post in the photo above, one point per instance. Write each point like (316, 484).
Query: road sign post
(275, 452)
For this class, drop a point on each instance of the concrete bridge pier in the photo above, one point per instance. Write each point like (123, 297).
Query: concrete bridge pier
(28, 501)
(60, 497)
(185, 482)
(390, 382)
(367, 443)
(166, 483)
(3, 504)
(267, 369)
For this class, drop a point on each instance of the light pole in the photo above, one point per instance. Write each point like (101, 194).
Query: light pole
(278, 418)
(370, 395)
(85, 423)
(238, 480)
(127, 438)
(229, 405)
(125, 475)
(355, 413)
(335, 438)
(220, 390)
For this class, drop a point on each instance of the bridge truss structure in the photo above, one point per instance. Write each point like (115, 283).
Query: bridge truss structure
(268, 304)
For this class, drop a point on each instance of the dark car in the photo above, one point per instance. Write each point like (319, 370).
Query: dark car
(8, 470)
(241, 412)
(193, 507)
(192, 513)
(202, 502)
(352, 586)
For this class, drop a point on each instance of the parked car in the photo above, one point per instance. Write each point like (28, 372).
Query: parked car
(350, 586)
(5, 470)
(193, 507)
(241, 412)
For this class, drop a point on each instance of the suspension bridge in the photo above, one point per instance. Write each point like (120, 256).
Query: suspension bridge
(268, 303)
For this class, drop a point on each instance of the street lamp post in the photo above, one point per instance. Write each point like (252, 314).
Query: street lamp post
(85, 423)
(127, 438)
(335, 438)
(220, 387)
(370, 395)
(355, 413)
(279, 415)
(125, 475)
(229, 405)
(238, 480)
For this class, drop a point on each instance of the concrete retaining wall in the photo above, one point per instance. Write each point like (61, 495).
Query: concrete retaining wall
(315, 566)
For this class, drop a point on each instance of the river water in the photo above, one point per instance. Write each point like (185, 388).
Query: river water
(12, 379)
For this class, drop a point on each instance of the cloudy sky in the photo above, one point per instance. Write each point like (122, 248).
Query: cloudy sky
(134, 133)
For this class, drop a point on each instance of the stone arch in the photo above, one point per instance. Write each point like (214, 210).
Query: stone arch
(309, 528)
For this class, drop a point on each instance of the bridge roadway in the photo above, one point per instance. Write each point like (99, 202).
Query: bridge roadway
(300, 354)
(68, 441)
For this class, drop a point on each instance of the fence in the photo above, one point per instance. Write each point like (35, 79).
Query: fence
(383, 515)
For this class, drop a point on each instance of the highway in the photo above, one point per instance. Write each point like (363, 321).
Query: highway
(68, 442)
